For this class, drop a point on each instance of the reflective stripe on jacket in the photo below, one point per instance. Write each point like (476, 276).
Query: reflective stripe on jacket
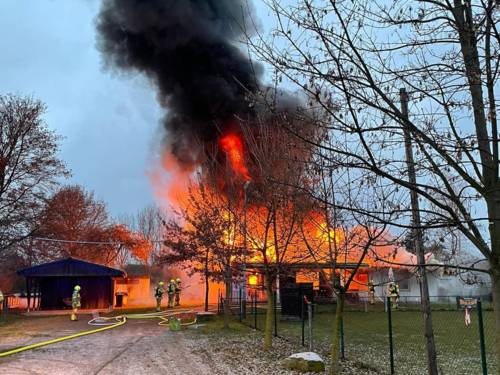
(75, 299)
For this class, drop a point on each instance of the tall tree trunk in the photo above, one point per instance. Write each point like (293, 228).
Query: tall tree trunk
(495, 281)
(494, 229)
(206, 281)
(227, 299)
(268, 328)
(207, 286)
(335, 353)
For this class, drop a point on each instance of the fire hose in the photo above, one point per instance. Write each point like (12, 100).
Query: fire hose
(164, 316)
(109, 323)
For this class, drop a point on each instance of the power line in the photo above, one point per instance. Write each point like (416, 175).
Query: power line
(83, 242)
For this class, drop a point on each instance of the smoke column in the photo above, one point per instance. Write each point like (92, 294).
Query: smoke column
(187, 49)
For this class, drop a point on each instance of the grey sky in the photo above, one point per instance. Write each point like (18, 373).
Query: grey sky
(110, 122)
(47, 50)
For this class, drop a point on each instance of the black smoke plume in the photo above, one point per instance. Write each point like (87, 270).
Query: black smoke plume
(188, 50)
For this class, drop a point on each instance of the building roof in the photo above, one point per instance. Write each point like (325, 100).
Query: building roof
(69, 267)
(137, 270)
(310, 265)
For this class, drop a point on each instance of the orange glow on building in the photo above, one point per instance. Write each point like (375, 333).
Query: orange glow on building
(253, 280)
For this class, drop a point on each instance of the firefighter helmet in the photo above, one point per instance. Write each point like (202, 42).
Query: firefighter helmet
(160, 283)
(77, 287)
(178, 279)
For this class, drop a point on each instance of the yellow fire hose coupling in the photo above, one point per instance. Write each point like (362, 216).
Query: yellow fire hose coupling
(167, 318)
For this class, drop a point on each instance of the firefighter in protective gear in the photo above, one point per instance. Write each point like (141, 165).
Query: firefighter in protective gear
(159, 295)
(75, 302)
(1, 300)
(371, 292)
(178, 288)
(171, 293)
(394, 294)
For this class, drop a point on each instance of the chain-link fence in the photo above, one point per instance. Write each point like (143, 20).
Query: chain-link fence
(464, 336)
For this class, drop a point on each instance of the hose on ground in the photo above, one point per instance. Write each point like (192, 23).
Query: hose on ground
(120, 322)
(110, 323)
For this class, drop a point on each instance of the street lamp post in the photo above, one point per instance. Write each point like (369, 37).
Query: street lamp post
(245, 250)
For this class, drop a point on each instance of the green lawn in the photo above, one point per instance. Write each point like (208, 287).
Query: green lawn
(366, 338)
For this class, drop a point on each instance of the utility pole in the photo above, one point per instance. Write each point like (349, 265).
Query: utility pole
(418, 242)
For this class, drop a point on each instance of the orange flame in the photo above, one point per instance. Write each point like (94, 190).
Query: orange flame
(232, 145)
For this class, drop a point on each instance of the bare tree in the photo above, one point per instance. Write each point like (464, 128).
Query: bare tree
(29, 166)
(276, 204)
(338, 235)
(148, 223)
(352, 57)
(204, 237)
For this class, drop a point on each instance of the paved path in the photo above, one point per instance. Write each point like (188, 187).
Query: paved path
(138, 347)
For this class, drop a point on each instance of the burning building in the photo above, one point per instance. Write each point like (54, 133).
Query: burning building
(223, 122)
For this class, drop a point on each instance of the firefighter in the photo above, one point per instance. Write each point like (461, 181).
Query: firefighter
(394, 294)
(171, 293)
(1, 300)
(178, 288)
(75, 302)
(371, 292)
(159, 295)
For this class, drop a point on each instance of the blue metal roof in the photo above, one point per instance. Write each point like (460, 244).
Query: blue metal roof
(69, 267)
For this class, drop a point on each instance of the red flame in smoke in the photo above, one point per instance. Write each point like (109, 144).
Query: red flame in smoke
(232, 145)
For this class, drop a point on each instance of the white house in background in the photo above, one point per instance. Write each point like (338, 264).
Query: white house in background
(445, 283)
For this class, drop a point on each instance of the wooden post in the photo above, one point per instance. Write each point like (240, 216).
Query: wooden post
(39, 300)
(28, 292)
(35, 292)
(418, 243)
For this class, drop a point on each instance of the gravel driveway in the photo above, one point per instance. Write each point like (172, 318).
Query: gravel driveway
(138, 347)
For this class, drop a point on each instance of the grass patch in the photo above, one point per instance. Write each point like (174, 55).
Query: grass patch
(367, 341)
(216, 326)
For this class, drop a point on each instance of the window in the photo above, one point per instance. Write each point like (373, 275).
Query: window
(403, 279)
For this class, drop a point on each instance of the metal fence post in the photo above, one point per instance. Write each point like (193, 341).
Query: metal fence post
(255, 310)
(241, 306)
(310, 325)
(275, 304)
(342, 347)
(481, 337)
(391, 344)
(303, 316)
(244, 304)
